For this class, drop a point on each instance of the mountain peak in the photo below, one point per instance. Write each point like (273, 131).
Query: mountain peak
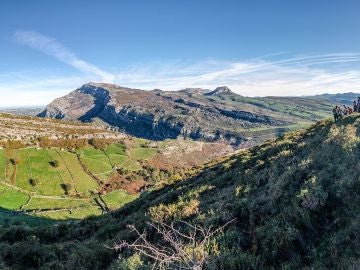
(220, 90)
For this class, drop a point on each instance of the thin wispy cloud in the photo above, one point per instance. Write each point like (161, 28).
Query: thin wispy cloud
(274, 74)
(54, 48)
(302, 75)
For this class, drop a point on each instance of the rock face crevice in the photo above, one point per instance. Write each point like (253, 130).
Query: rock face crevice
(140, 124)
(247, 116)
(101, 97)
(218, 115)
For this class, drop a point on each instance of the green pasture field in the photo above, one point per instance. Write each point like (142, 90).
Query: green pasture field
(81, 181)
(2, 165)
(55, 203)
(78, 213)
(12, 199)
(143, 153)
(116, 154)
(117, 198)
(96, 161)
(35, 164)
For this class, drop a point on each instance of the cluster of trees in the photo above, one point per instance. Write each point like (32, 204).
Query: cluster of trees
(12, 144)
(102, 143)
(76, 143)
(45, 142)
(67, 143)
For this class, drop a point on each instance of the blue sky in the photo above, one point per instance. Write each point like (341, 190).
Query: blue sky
(257, 48)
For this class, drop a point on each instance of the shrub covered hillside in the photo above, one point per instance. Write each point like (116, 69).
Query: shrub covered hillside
(295, 199)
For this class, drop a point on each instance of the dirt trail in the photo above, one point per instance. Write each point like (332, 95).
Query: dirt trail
(26, 204)
(15, 187)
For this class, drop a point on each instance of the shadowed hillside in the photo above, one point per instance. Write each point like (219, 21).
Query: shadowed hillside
(295, 200)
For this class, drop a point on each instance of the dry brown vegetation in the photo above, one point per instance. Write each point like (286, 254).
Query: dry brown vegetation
(29, 129)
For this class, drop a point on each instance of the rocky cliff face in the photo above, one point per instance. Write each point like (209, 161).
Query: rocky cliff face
(190, 113)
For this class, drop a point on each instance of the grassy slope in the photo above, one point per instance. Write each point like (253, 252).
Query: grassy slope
(34, 163)
(295, 199)
(118, 198)
(97, 162)
(12, 199)
(55, 203)
(116, 154)
(81, 181)
(307, 109)
(2, 165)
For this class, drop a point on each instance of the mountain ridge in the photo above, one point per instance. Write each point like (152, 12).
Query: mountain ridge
(199, 114)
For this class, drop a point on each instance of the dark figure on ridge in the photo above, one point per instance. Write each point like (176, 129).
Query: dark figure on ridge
(336, 113)
(355, 107)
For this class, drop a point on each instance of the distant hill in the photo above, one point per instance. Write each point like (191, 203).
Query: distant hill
(28, 110)
(218, 115)
(339, 99)
(295, 201)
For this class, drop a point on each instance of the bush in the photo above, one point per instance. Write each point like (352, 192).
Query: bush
(14, 144)
(101, 143)
(67, 188)
(14, 161)
(55, 163)
(32, 182)
(45, 142)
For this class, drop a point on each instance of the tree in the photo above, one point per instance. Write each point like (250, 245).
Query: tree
(185, 247)
(54, 163)
(14, 161)
(67, 188)
(33, 182)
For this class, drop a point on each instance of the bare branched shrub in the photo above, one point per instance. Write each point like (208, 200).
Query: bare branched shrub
(185, 247)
